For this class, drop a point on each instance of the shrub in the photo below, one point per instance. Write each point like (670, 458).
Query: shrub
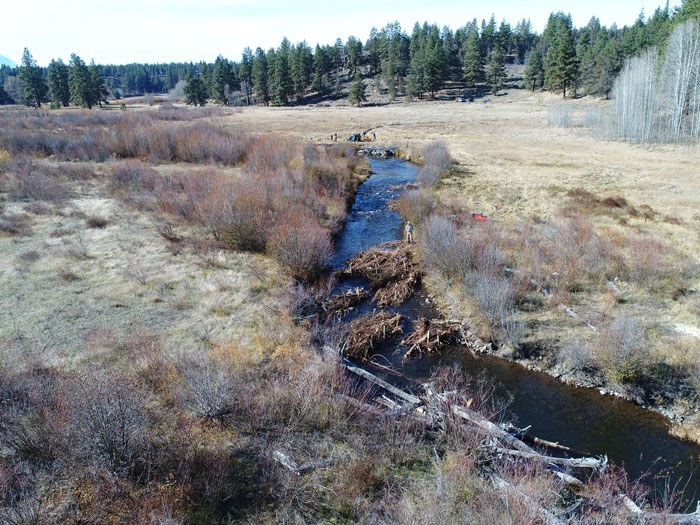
(97, 221)
(436, 163)
(110, 424)
(622, 348)
(301, 245)
(33, 181)
(15, 223)
(560, 116)
(442, 248)
(416, 205)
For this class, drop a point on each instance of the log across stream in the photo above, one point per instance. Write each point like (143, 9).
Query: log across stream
(580, 418)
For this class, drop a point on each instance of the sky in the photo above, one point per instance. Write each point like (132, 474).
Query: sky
(120, 32)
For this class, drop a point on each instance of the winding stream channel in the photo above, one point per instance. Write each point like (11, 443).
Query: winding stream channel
(581, 418)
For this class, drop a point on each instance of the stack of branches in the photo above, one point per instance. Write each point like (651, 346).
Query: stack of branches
(365, 332)
(431, 335)
(343, 302)
(390, 269)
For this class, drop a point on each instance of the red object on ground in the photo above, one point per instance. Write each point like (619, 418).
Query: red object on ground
(479, 217)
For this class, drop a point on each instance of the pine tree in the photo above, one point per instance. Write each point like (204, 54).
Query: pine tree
(246, 74)
(79, 82)
(496, 69)
(260, 73)
(195, 90)
(58, 82)
(31, 76)
(473, 59)
(282, 87)
(357, 91)
(223, 80)
(98, 91)
(302, 66)
(534, 70)
(560, 63)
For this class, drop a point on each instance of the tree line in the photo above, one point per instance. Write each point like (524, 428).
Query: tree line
(562, 59)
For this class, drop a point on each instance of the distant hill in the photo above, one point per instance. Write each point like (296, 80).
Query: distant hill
(4, 61)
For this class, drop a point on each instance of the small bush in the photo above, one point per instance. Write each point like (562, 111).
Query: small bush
(416, 205)
(560, 116)
(15, 224)
(436, 163)
(301, 245)
(97, 221)
(622, 349)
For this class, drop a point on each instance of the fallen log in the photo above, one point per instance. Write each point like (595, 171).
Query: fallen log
(642, 516)
(386, 386)
(491, 428)
(592, 463)
(364, 332)
(287, 462)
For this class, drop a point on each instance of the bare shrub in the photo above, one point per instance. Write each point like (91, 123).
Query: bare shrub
(559, 115)
(622, 348)
(268, 153)
(37, 183)
(15, 224)
(110, 424)
(209, 388)
(494, 296)
(301, 245)
(97, 221)
(416, 205)
(576, 354)
(436, 163)
(442, 247)
(68, 274)
(134, 174)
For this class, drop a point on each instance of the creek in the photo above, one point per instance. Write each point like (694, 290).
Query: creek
(580, 418)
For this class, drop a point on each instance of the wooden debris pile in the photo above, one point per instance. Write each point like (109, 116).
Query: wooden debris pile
(390, 269)
(431, 335)
(343, 302)
(369, 330)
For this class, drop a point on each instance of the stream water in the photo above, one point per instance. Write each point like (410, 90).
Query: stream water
(580, 418)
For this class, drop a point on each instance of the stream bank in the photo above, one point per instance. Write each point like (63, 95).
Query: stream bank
(582, 418)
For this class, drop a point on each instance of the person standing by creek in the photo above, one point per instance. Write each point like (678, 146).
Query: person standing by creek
(409, 232)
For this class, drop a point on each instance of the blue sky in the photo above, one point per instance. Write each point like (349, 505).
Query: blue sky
(190, 30)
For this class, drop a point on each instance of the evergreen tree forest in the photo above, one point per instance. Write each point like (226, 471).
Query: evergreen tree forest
(563, 59)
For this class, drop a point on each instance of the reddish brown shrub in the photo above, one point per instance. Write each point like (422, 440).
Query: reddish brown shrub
(300, 244)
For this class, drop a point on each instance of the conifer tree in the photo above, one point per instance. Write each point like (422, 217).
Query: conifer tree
(195, 90)
(282, 87)
(496, 69)
(560, 63)
(473, 59)
(79, 82)
(246, 74)
(98, 91)
(223, 80)
(357, 91)
(31, 76)
(260, 73)
(534, 70)
(58, 82)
